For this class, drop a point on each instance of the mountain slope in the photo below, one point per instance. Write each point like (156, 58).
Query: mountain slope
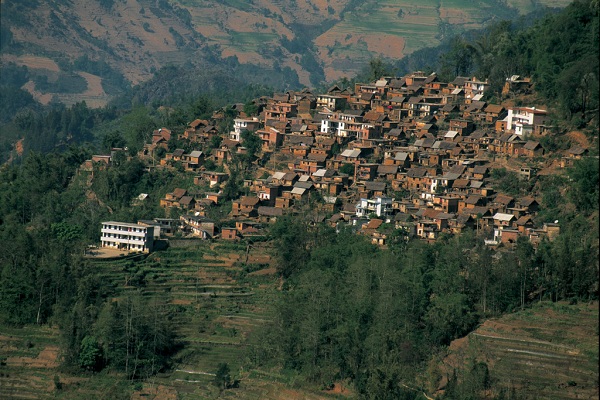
(549, 351)
(316, 40)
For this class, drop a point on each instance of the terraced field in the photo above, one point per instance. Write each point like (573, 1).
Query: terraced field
(348, 33)
(217, 294)
(215, 306)
(549, 351)
(137, 37)
(26, 354)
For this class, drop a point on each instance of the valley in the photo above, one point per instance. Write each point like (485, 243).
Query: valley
(319, 41)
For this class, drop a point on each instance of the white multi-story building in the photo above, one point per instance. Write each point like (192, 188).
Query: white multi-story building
(380, 206)
(474, 87)
(127, 236)
(243, 124)
(346, 124)
(525, 120)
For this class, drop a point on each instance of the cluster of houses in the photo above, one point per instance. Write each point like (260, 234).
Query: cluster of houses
(405, 154)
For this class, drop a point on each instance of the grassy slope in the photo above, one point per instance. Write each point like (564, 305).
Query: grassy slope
(216, 302)
(547, 351)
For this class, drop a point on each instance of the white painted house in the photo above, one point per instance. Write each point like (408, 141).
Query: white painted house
(380, 206)
(243, 124)
(348, 124)
(523, 120)
(126, 236)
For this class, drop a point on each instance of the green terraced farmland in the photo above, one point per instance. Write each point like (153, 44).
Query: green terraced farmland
(549, 351)
(213, 304)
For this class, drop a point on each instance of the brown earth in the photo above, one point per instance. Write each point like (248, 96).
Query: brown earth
(31, 61)
(339, 388)
(8, 344)
(244, 57)
(19, 147)
(181, 302)
(43, 98)
(580, 138)
(266, 271)
(159, 392)
(388, 45)
(47, 358)
(94, 96)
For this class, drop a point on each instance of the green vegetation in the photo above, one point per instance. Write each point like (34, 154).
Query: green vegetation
(566, 75)
(13, 99)
(337, 309)
(584, 192)
(222, 377)
(510, 183)
(64, 83)
(173, 85)
(60, 128)
(344, 298)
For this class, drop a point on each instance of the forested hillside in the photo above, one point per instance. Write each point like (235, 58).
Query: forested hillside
(320, 306)
(352, 312)
(347, 311)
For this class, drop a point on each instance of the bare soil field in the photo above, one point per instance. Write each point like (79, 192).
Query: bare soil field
(390, 46)
(33, 62)
(262, 272)
(94, 96)
(159, 392)
(47, 358)
(580, 138)
(43, 98)
(244, 57)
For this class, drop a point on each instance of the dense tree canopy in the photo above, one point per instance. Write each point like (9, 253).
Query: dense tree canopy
(352, 311)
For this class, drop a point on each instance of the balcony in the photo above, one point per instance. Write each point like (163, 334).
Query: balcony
(142, 233)
(126, 237)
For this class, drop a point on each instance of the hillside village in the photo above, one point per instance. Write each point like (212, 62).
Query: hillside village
(399, 158)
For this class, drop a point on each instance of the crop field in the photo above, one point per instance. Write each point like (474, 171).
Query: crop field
(549, 351)
(462, 14)
(217, 294)
(220, 295)
(416, 24)
(30, 348)
(250, 40)
(526, 6)
(138, 37)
